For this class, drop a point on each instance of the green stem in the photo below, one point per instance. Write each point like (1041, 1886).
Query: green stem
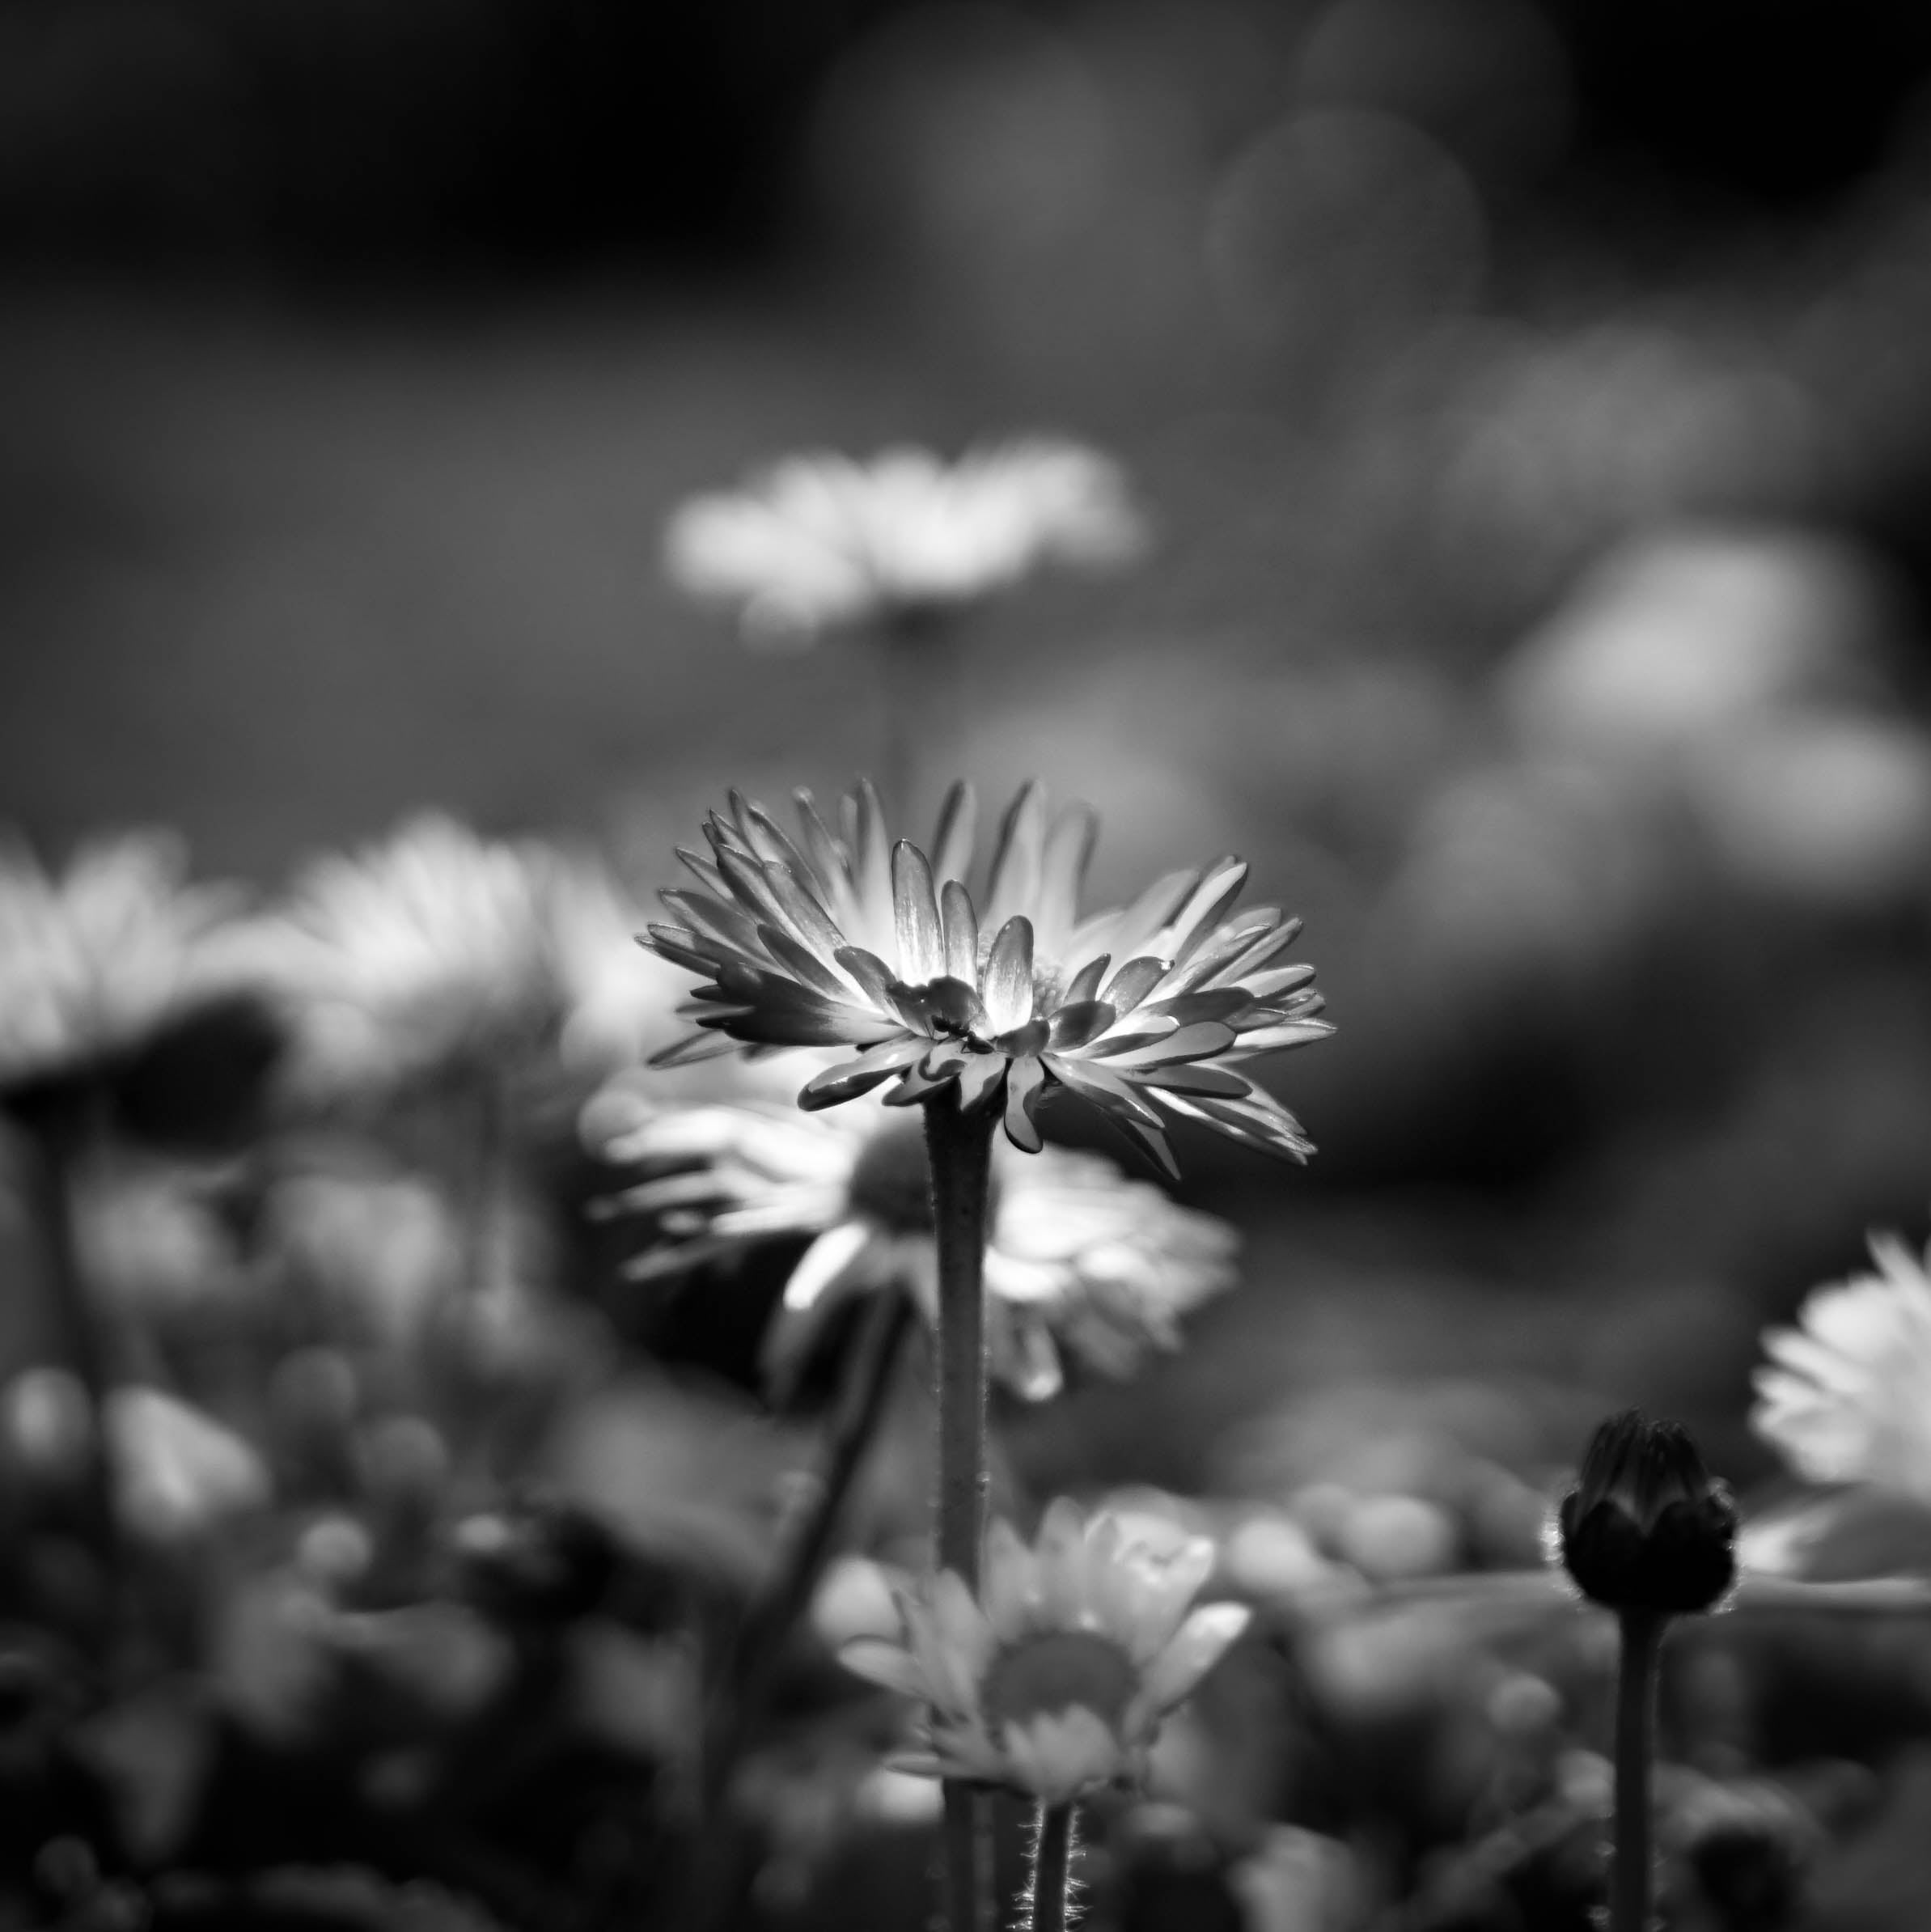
(739, 1695)
(1631, 1875)
(1047, 1902)
(959, 1148)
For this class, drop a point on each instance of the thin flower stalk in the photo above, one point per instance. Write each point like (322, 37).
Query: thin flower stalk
(1632, 1872)
(1049, 1898)
(959, 1149)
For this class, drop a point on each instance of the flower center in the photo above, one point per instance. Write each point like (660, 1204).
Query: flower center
(1052, 1673)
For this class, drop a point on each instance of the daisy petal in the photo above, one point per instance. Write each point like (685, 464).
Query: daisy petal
(1008, 986)
(837, 1253)
(1200, 1644)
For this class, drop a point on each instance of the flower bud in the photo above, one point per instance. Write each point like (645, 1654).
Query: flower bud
(1647, 1528)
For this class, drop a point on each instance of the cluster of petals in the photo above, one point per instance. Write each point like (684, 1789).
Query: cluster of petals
(414, 952)
(1054, 1677)
(820, 540)
(1149, 1011)
(1845, 1396)
(92, 960)
(1078, 1255)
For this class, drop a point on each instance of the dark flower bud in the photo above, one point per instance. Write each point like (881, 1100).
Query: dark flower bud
(1647, 1528)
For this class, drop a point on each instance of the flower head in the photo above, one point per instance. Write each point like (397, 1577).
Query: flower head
(1054, 1679)
(92, 963)
(416, 951)
(821, 540)
(1075, 1249)
(1148, 1011)
(1647, 1528)
(1846, 1395)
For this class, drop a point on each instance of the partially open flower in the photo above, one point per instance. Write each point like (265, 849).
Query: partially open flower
(821, 540)
(1846, 1395)
(1149, 1012)
(1075, 1249)
(93, 961)
(1055, 1678)
(1647, 1528)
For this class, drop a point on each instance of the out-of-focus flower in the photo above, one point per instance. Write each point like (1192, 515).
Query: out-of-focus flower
(619, 1000)
(821, 540)
(1646, 1527)
(1055, 1678)
(1846, 1395)
(93, 962)
(148, 1235)
(1147, 1012)
(1075, 1248)
(1830, 808)
(177, 1471)
(416, 953)
(1678, 637)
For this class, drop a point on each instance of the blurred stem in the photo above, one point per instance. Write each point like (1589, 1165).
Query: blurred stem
(488, 1163)
(58, 1148)
(920, 657)
(738, 1696)
(1631, 1876)
(1052, 1840)
(959, 1149)
(787, 1590)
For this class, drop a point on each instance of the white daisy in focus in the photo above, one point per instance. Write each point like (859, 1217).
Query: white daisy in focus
(1846, 1395)
(94, 960)
(1150, 1012)
(820, 541)
(1055, 1678)
(416, 954)
(1078, 1255)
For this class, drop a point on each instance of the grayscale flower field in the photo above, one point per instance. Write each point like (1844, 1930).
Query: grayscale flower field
(965, 965)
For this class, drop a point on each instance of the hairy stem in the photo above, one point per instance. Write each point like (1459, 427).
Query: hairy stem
(960, 1147)
(1047, 1902)
(1631, 1875)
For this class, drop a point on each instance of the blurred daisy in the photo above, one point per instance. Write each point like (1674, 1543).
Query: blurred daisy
(618, 1001)
(425, 950)
(820, 541)
(1054, 1680)
(1149, 1012)
(92, 962)
(1075, 1249)
(1846, 1395)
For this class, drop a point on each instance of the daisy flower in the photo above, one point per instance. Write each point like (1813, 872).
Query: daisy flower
(416, 952)
(1846, 1395)
(1074, 1248)
(1150, 1012)
(820, 541)
(92, 962)
(1055, 1678)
